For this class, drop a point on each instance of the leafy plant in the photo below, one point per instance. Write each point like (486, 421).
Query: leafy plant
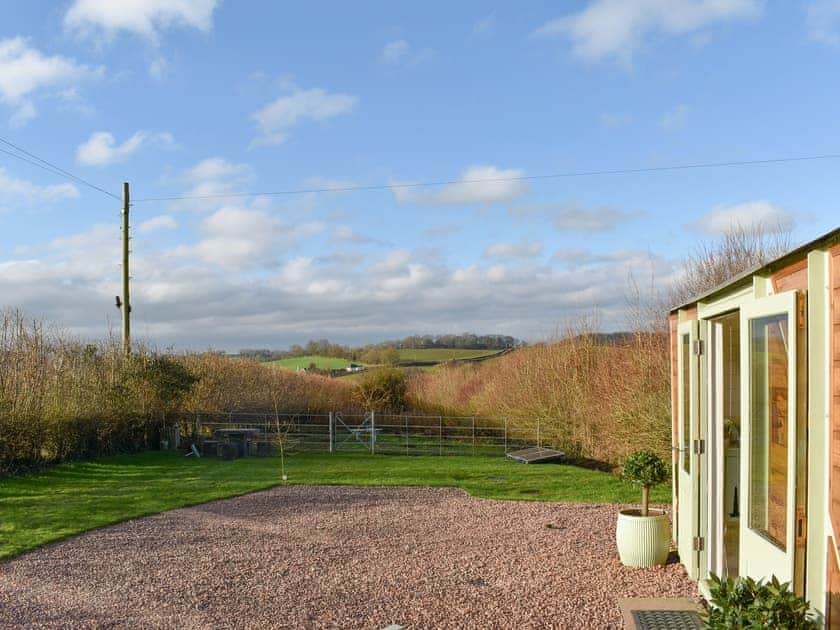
(647, 469)
(383, 389)
(747, 604)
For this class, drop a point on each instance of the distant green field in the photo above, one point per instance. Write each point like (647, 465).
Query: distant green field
(407, 355)
(442, 354)
(322, 363)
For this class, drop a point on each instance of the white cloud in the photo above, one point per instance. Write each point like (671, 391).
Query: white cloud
(485, 25)
(675, 119)
(751, 215)
(822, 18)
(577, 219)
(158, 223)
(239, 238)
(14, 191)
(528, 249)
(158, 68)
(146, 18)
(214, 176)
(394, 260)
(615, 121)
(215, 168)
(444, 230)
(571, 217)
(401, 53)
(26, 71)
(277, 118)
(394, 52)
(346, 234)
(275, 298)
(102, 149)
(477, 185)
(616, 29)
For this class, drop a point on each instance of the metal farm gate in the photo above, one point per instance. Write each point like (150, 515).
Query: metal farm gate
(370, 432)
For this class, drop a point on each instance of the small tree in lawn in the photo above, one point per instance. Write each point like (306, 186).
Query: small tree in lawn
(646, 469)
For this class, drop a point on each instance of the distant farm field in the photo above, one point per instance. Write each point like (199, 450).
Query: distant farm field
(322, 363)
(409, 355)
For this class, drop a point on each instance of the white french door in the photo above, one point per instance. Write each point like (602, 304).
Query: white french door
(687, 472)
(768, 437)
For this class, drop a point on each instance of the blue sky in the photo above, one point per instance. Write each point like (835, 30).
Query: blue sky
(202, 97)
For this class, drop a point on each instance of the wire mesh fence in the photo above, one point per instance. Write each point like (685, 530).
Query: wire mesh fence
(249, 433)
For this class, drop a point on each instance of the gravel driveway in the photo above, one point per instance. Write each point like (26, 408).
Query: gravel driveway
(338, 557)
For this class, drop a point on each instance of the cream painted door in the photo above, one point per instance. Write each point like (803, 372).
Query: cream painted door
(687, 473)
(768, 437)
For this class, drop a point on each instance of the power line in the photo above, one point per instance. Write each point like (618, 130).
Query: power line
(50, 167)
(520, 178)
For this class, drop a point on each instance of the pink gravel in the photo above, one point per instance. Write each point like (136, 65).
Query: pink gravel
(338, 557)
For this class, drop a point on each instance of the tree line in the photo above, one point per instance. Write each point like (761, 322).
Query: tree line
(326, 348)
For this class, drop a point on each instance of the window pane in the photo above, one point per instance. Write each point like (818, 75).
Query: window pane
(769, 426)
(686, 401)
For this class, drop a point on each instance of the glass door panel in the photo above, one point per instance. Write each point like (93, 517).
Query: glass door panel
(768, 459)
(769, 380)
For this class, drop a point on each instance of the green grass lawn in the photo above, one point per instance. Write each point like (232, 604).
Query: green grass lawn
(322, 363)
(442, 354)
(76, 497)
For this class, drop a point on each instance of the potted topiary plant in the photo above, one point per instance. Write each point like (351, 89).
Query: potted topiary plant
(643, 535)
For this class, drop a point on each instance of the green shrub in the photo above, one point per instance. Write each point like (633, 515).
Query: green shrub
(744, 603)
(383, 389)
(647, 469)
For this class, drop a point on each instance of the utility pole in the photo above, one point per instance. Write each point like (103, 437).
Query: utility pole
(126, 304)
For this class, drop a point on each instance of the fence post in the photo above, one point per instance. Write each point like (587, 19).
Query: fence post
(473, 433)
(440, 435)
(332, 438)
(506, 434)
(406, 435)
(372, 432)
(539, 441)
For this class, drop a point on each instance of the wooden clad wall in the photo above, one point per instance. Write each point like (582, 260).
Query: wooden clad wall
(832, 608)
(834, 344)
(794, 276)
(832, 587)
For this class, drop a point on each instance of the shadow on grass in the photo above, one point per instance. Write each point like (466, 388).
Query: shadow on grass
(591, 464)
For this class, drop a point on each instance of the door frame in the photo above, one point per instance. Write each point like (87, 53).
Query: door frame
(717, 447)
(688, 482)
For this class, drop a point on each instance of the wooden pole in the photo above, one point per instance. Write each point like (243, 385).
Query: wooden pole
(126, 305)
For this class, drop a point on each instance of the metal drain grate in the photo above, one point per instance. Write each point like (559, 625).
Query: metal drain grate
(666, 620)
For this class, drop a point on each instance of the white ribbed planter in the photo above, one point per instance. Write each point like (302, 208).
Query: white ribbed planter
(643, 541)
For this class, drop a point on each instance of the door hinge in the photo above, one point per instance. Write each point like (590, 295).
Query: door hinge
(699, 447)
(800, 310)
(801, 527)
(698, 542)
(698, 347)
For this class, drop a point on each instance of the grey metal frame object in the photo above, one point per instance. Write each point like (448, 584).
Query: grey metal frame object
(535, 455)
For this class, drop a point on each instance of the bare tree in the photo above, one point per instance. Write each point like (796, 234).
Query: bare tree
(738, 250)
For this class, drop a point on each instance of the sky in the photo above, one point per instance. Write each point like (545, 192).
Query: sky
(207, 97)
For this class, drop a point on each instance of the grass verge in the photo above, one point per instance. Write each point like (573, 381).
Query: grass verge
(73, 498)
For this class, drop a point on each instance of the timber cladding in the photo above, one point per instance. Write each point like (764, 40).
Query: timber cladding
(794, 276)
(833, 582)
(834, 344)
